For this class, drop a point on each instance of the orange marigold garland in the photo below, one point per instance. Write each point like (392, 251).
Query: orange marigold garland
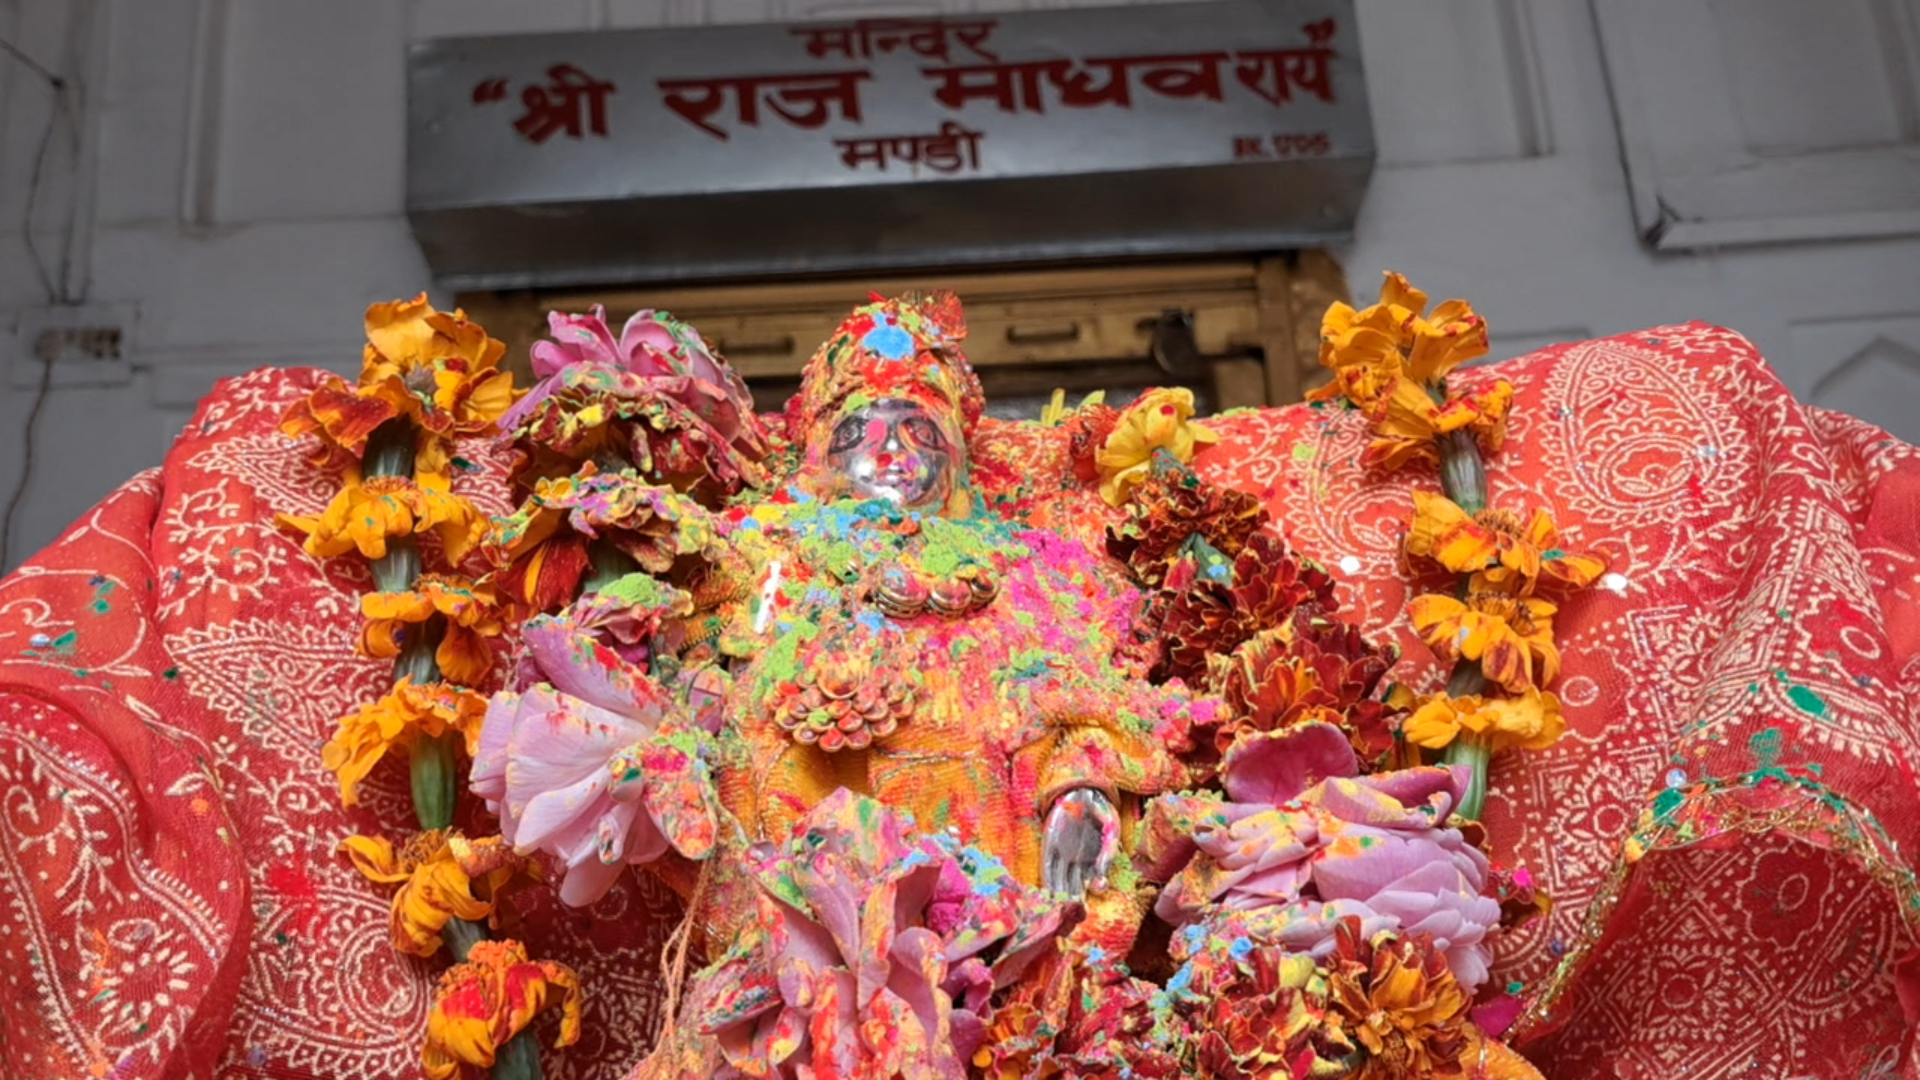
(1391, 361)
(428, 378)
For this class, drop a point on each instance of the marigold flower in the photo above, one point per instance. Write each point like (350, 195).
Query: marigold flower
(1169, 509)
(1407, 422)
(1400, 1003)
(368, 513)
(1198, 614)
(438, 872)
(1496, 542)
(434, 367)
(1263, 1019)
(408, 713)
(1372, 351)
(463, 654)
(1511, 636)
(1161, 419)
(1531, 721)
(1302, 671)
(489, 999)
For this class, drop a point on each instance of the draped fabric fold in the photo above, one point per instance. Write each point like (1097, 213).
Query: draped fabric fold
(1726, 829)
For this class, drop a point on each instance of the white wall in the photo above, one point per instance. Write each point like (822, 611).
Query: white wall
(237, 174)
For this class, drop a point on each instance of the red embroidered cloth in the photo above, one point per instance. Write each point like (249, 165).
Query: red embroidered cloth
(1722, 828)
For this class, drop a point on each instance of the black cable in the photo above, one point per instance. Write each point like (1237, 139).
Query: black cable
(26, 467)
(54, 290)
(54, 113)
(14, 51)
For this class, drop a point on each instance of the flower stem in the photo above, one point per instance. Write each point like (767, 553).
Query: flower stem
(1463, 476)
(607, 564)
(519, 1059)
(1475, 751)
(432, 762)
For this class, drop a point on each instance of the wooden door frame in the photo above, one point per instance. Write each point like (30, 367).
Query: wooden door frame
(1255, 320)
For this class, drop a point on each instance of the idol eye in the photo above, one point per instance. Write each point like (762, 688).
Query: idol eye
(924, 431)
(847, 435)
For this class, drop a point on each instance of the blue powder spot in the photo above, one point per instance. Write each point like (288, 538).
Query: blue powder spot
(871, 621)
(889, 342)
(1182, 981)
(1096, 954)
(1193, 934)
(1241, 948)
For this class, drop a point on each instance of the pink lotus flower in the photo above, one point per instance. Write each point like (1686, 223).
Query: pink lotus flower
(1302, 835)
(654, 353)
(873, 961)
(594, 766)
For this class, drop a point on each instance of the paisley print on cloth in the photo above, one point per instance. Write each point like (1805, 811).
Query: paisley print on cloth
(1723, 829)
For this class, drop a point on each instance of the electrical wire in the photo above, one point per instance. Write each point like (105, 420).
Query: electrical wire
(26, 467)
(55, 291)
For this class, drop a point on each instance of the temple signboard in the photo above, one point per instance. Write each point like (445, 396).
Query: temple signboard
(887, 143)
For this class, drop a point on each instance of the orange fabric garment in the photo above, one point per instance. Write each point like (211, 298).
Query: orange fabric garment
(174, 906)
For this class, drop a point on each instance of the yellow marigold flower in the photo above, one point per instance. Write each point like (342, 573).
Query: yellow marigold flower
(468, 611)
(438, 872)
(1160, 419)
(1373, 349)
(367, 513)
(482, 1003)
(1496, 542)
(1511, 636)
(1408, 422)
(434, 367)
(1531, 721)
(408, 713)
(1400, 1002)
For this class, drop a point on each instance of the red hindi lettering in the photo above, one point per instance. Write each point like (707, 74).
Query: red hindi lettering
(951, 149)
(574, 102)
(1011, 87)
(805, 100)
(857, 152)
(1273, 74)
(1194, 76)
(677, 94)
(974, 36)
(813, 97)
(1077, 89)
(929, 38)
(948, 150)
(847, 41)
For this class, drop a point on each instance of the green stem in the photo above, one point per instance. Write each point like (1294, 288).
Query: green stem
(435, 781)
(1463, 476)
(607, 564)
(433, 763)
(390, 450)
(1476, 751)
(519, 1059)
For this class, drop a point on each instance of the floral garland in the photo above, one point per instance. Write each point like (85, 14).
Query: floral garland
(1310, 894)
(428, 378)
(1392, 361)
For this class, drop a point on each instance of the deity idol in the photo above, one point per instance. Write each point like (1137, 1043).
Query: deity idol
(880, 629)
(974, 748)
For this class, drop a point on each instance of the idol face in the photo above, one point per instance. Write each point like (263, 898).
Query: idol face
(893, 449)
